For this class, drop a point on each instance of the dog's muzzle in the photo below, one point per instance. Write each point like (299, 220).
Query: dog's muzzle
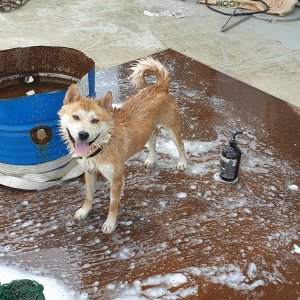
(82, 145)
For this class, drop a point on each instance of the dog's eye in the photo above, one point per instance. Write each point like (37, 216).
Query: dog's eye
(75, 117)
(95, 121)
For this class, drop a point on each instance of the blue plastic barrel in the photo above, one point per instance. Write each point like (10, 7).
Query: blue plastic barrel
(29, 130)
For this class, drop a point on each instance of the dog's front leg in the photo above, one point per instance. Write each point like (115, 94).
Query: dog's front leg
(115, 195)
(90, 180)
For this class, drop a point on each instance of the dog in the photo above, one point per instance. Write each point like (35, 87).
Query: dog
(103, 138)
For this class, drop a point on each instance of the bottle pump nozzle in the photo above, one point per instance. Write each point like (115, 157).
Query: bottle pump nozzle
(236, 133)
(233, 140)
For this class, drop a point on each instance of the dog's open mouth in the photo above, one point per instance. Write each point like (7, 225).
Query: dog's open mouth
(81, 147)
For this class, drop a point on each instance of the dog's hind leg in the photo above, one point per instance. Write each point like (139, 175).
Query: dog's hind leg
(172, 122)
(90, 180)
(117, 184)
(174, 134)
(151, 155)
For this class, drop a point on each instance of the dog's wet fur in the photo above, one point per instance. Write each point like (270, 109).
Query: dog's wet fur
(88, 125)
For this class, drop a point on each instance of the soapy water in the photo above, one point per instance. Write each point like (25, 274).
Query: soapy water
(175, 229)
(183, 284)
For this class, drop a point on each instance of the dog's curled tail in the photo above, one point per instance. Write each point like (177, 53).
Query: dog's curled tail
(149, 66)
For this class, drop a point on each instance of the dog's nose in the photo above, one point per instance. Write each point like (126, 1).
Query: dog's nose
(83, 135)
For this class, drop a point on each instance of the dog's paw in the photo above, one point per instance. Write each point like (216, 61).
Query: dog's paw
(81, 213)
(182, 165)
(149, 162)
(109, 226)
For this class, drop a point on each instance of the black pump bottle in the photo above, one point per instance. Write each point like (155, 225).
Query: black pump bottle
(230, 160)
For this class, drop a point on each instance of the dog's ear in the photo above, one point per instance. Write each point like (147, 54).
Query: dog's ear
(106, 101)
(72, 94)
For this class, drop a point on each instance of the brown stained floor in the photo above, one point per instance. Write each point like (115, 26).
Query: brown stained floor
(222, 241)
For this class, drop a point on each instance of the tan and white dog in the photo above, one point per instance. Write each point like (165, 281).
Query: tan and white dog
(103, 138)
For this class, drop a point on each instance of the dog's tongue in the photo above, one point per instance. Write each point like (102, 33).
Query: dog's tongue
(81, 147)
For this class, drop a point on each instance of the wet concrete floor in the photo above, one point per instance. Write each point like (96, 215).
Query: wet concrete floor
(180, 235)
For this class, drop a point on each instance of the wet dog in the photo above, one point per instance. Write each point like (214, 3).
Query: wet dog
(103, 138)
